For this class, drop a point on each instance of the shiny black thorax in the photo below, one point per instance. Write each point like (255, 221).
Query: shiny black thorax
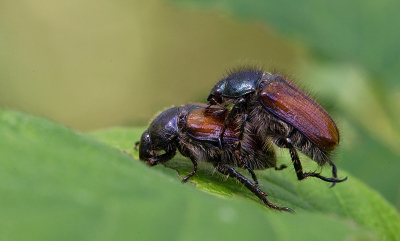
(236, 85)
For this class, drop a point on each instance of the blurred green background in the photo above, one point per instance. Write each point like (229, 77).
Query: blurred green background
(97, 64)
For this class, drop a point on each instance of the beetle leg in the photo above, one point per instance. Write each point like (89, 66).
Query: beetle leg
(235, 110)
(238, 151)
(334, 173)
(228, 170)
(287, 143)
(136, 145)
(333, 180)
(295, 160)
(192, 172)
(299, 169)
(245, 166)
(168, 155)
(215, 102)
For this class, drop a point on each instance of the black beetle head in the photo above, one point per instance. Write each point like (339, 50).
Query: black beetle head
(145, 150)
(159, 141)
(236, 85)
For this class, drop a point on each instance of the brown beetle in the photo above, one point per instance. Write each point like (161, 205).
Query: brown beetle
(195, 132)
(278, 110)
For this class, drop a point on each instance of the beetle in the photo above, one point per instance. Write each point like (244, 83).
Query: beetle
(279, 110)
(194, 131)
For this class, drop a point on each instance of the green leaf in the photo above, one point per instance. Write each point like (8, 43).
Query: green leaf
(57, 184)
(350, 200)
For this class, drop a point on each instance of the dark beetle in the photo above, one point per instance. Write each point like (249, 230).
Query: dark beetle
(278, 110)
(194, 131)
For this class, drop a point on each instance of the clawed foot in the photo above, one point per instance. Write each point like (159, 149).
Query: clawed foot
(333, 180)
(185, 179)
(262, 195)
(286, 209)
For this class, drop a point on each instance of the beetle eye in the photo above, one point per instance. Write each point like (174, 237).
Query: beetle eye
(218, 92)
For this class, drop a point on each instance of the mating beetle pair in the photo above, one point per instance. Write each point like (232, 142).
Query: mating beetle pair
(247, 111)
